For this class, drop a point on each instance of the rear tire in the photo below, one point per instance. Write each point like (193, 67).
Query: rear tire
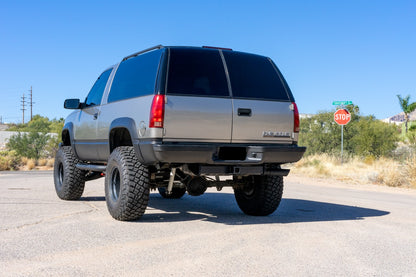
(126, 185)
(262, 196)
(69, 180)
(176, 193)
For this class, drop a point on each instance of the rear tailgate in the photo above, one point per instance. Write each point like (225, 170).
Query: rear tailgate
(263, 111)
(262, 122)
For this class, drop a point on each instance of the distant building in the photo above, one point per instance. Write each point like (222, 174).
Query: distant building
(304, 115)
(399, 118)
(3, 127)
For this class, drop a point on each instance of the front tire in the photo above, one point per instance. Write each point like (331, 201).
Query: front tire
(126, 185)
(261, 196)
(69, 180)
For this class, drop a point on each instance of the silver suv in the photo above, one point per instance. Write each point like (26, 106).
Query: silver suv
(181, 119)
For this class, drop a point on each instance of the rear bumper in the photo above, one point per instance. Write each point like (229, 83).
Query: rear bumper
(210, 153)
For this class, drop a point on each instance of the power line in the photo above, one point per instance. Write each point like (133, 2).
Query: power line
(31, 104)
(23, 108)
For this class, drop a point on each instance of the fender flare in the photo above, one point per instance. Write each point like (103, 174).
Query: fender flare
(130, 125)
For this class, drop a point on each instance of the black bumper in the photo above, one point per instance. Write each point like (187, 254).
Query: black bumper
(152, 152)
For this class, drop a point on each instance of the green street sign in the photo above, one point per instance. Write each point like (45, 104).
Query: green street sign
(341, 103)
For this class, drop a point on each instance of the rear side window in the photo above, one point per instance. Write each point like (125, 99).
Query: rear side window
(97, 90)
(196, 72)
(135, 77)
(254, 76)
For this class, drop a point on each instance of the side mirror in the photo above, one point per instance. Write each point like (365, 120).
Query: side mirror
(72, 104)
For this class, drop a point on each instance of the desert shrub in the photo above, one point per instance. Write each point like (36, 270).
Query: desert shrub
(9, 160)
(369, 160)
(30, 164)
(30, 145)
(36, 141)
(373, 138)
(41, 162)
(50, 162)
(51, 146)
(411, 171)
(411, 135)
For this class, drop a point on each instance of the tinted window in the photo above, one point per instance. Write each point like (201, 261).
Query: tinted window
(196, 72)
(135, 77)
(97, 90)
(254, 76)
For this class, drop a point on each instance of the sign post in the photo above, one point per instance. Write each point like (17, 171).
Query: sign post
(342, 117)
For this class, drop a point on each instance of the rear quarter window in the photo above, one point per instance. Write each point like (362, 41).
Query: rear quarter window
(254, 77)
(197, 72)
(136, 77)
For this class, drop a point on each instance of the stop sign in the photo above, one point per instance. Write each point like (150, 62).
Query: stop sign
(342, 116)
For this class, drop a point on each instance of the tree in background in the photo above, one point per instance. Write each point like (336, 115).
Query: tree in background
(373, 137)
(406, 107)
(363, 136)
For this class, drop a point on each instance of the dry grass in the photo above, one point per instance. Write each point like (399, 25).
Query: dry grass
(10, 161)
(411, 171)
(41, 162)
(383, 171)
(50, 163)
(30, 164)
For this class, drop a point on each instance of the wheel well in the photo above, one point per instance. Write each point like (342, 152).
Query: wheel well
(66, 140)
(119, 137)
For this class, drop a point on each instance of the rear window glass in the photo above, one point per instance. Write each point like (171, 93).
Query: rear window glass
(135, 77)
(254, 76)
(196, 72)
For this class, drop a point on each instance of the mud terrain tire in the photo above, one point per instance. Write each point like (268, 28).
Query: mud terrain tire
(126, 185)
(69, 180)
(262, 196)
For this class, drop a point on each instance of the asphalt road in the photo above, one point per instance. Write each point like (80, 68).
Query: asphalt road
(321, 229)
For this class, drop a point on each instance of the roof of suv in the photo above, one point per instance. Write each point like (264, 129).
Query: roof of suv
(194, 47)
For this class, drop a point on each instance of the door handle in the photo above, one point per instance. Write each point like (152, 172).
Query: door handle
(95, 116)
(244, 112)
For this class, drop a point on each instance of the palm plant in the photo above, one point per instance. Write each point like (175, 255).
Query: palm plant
(406, 107)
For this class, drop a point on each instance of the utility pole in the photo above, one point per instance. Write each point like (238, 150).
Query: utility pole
(31, 104)
(23, 108)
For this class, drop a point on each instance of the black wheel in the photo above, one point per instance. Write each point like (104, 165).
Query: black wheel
(262, 196)
(69, 180)
(126, 185)
(176, 193)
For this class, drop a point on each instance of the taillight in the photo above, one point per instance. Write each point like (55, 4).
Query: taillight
(157, 111)
(296, 118)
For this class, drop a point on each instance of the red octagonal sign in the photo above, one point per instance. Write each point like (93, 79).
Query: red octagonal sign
(342, 116)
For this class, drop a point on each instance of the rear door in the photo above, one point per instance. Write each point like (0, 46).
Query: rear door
(199, 107)
(263, 109)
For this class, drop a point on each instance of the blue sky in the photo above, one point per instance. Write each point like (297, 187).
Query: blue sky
(363, 51)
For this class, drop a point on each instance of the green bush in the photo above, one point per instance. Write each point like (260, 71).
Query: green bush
(35, 142)
(363, 136)
(373, 138)
(30, 145)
